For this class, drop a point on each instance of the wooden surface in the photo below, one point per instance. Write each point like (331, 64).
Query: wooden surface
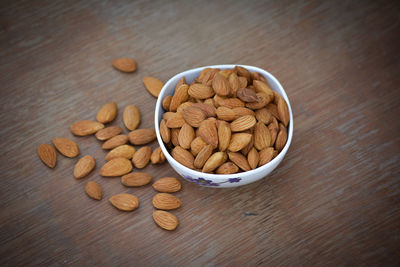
(334, 200)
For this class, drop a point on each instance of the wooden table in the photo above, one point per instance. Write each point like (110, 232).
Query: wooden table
(334, 200)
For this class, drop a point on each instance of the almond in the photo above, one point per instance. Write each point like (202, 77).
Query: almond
(131, 117)
(183, 156)
(194, 115)
(283, 111)
(184, 105)
(264, 116)
(124, 151)
(186, 136)
(214, 161)
(115, 141)
(141, 136)
(226, 114)
(93, 190)
(234, 83)
(276, 152)
(153, 85)
(242, 82)
(84, 166)
(142, 157)
(241, 71)
(239, 160)
(277, 97)
(134, 179)
(200, 91)
(227, 168)
(249, 146)
(165, 201)
(224, 136)
(242, 111)
(175, 121)
(116, 167)
(86, 127)
(174, 137)
(281, 138)
(167, 185)
(239, 141)
(273, 128)
(197, 145)
(108, 132)
(107, 113)
(221, 85)
(180, 96)
(180, 82)
(203, 156)
(262, 136)
(231, 103)
(48, 155)
(66, 147)
(243, 123)
(124, 64)
(257, 76)
(261, 86)
(165, 220)
(253, 158)
(262, 100)
(266, 155)
(209, 110)
(246, 95)
(203, 73)
(209, 76)
(157, 156)
(165, 132)
(208, 132)
(226, 73)
(273, 109)
(166, 102)
(167, 115)
(125, 202)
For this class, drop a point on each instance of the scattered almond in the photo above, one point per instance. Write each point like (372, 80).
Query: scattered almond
(125, 64)
(166, 201)
(66, 147)
(153, 85)
(165, 220)
(135, 179)
(125, 202)
(141, 157)
(48, 155)
(124, 151)
(93, 190)
(115, 141)
(108, 132)
(157, 156)
(141, 136)
(167, 185)
(86, 127)
(84, 166)
(116, 167)
(107, 113)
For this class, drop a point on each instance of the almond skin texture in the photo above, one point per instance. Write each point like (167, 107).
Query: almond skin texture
(221, 85)
(243, 123)
(242, 82)
(141, 136)
(266, 155)
(107, 113)
(262, 87)
(165, 132)
(226, 114)
(176, 120)
(125, 202)
(153, 85)
(283, 111)
(203, 156)
(281, 138)
(184, 105)
(131, 117)
(242, 111)
(142, 157)
(165, 220)
(165, 201)
(227, 168)
(124, 151)
(186, 136)
(194, 116)
(231, 103)
(166, 102)
(108, 132)
(241, 71)
(48, 155)
(239, 141)
(86, 127)
(253, 158)
(157, 156)
(246, 95)
(174, 137)
(181, 95)
(209, 110)
(262, 136)
(115, 141)
(239, 160)
(134, 179)
(167, 185)
(200, 91)
(93, 190)
(213, 162)
(273, 109)
(197, 145)
(66, 147)
(84, 166)
(116, 167)
(224, 136)
(183, 156)
(125, 64)
(234, 83)
(208, 132)
(264, 116)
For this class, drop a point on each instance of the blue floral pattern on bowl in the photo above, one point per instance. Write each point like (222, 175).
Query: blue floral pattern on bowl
(205, 182)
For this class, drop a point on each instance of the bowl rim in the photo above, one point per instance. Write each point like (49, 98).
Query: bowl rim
(214, 176)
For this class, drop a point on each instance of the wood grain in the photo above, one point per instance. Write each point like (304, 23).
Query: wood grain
(335, 198)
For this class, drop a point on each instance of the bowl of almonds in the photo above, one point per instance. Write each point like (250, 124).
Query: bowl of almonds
(224, 125)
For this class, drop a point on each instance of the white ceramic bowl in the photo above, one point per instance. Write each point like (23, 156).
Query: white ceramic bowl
(220, 180)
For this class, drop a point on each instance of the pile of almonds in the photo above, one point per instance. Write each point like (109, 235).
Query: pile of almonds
(225, 121)
(122, 155)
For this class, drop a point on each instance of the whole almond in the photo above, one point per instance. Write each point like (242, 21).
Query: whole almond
(209, 110)
(262, 136)
(116, 167)
(197, 145)
(208, 132)
(84, 166)
(226, 114)
(227, 168)
(214, 161)
(108, 132)
(136, 179)
(234, 83)
(264, 116)
(266, 155)
(107, 113)
(86, 127)
(157, 156)
(239, 141)
(283, 111)
(194, 115)
(166, 102)
(166, 201)
(281, 138)
(124, 151)
(66, 147)
(131, 117)
(261, 86)
(125, 202)
(165, 220)
(167, 185)
(186, 136)
(209, 76)
(224, 136)
(273, 128)
(183, 156)
(239, 160)
(48, 155)
(176, 120)
(124, 64)
(142, 157)
(242, 71)
(243, 123)
(242, 111)
(221, 85)
(246, 95)
(93, 190)
(180, 96)
(203, 156)
(165, 132)
(153, 85)
(231, 103)
(174, 136)
(253, 158)
(200, 91)
(242, 82)
(115, 141)
(142, 136)
(184, 105)
(273, 109)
